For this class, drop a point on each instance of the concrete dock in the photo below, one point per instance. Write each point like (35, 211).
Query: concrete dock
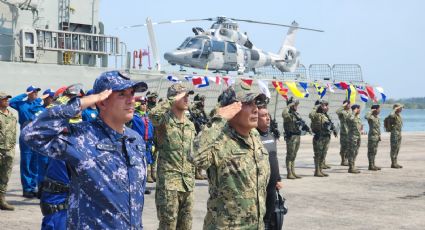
(386, 199)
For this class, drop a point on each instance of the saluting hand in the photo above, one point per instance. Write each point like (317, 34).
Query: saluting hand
(180, 96)
(94, 98)
(229, 111)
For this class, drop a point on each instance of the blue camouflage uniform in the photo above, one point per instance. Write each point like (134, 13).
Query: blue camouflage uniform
(107, 169)
(89, 114)
(27, 111)
(55, 197)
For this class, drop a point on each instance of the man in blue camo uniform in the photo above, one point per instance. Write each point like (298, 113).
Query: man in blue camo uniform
(55, 184)
(28, 105)
(106, 160)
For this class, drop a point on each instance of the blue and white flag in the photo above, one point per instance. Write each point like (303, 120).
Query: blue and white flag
(173, 79)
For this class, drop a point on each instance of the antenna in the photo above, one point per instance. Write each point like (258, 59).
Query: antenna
(152, 40)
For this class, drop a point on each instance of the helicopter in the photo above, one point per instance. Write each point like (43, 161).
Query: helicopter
(224, 48)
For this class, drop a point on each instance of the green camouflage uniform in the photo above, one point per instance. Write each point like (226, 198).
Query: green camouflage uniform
(343, 116)
(354, 125)
(7, 147)
(175, 174)
(197, 114)
(292, 138)
(321, 139)
(396, 123)
(374, 137)
(238, 171)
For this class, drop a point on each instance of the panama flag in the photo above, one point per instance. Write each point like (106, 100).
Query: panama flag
(381, 91)
(362, 93)
(371, 93)
(200, 82)
(173, 79)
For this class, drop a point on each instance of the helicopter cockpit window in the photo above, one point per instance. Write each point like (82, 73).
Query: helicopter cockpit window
(217, 46)
(231, 47)
(195, 43)
(183, 45)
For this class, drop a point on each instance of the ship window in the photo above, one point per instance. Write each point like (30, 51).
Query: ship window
(217, 46)
(231, 47)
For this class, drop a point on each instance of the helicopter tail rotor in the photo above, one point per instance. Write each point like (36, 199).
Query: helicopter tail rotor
(289, 54)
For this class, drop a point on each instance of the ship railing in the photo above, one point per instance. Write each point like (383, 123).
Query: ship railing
(86, 43)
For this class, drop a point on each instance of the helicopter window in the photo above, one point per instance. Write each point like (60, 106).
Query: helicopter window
(231, 47)
(217, 46)
(195, 43)
(183, 45)
(255, 56)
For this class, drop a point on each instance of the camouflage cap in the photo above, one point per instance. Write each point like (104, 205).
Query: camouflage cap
(177, 88)
(292, 101)
(117, 81)
(199, 97)
(397, 106)
(4, 95)
(241, 92)
(355, 106)
(321, 102)
(151, 94)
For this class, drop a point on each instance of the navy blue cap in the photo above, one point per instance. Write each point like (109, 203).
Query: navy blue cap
(116, 81)
(355, 106)
(49, 92)
(31, 89)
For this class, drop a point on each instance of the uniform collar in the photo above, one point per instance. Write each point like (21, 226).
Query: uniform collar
(235, 135)
(8, 114)
(111, 133)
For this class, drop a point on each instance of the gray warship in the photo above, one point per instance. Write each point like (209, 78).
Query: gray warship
(53, 43)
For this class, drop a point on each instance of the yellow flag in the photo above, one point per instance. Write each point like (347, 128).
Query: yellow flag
(351, 94)
(293, 87)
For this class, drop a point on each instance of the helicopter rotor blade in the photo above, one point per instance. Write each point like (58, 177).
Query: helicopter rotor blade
(275, 24)
(168, 22)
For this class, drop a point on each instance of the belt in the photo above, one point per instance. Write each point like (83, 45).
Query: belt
(52, 186)
(48, 209)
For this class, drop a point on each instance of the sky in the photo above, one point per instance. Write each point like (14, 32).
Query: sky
(385, 37)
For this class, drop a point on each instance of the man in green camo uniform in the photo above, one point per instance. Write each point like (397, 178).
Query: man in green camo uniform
(322, 127)
(292, 135)
(175, 178)
(396, 123)
(151, 100)
(344, 113)
(199, 119)
(355, 128)
(7, 148)
(236, 161)
(374, 136)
